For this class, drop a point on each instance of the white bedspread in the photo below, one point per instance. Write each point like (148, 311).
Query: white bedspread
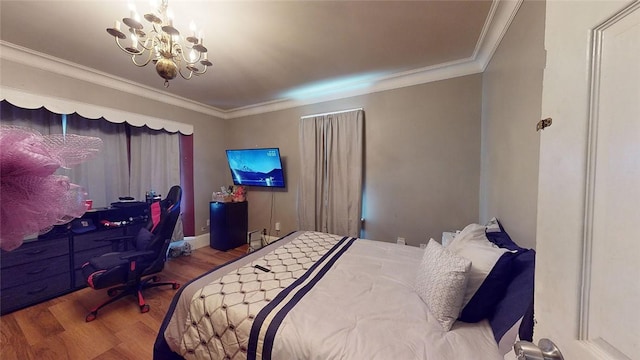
(364, 307)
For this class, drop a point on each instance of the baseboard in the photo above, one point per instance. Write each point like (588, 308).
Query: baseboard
(195, 241)
(198, 241)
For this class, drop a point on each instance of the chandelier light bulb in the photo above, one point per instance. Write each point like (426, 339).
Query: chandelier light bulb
(132, 10)
(192, 27)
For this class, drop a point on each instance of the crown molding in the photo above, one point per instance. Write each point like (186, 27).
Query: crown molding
(390, 82)
(22, 55)
(500, 16)
(498, 20)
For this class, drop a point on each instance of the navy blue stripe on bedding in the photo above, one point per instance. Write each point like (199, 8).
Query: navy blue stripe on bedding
(262, 315)
(161, 350)
(277, 320)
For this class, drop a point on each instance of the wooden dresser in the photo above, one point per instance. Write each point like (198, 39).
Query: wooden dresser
(50, 265)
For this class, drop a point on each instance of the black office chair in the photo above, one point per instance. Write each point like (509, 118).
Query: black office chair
(133, 270)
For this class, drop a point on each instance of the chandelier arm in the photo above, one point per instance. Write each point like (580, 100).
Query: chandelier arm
(148, 60)
(125, 49)
(191, 73)
(201, 72)
(151, 45)
(186, 77)
(182, 53)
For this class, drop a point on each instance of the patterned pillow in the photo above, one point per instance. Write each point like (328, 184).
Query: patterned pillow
(441, 281)
(490, 272)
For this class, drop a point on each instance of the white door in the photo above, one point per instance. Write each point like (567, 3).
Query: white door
(588, 240)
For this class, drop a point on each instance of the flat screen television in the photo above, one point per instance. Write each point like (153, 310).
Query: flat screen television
(256, 167)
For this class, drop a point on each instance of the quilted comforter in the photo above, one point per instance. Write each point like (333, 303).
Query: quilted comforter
(313, 295)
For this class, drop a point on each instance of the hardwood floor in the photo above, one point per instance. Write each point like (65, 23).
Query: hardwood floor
(56, 329)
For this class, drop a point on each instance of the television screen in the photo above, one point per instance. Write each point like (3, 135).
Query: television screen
(256, 167)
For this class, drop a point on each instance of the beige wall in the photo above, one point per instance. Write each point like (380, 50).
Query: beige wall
(423, 153)
(512, 98)
(422, 159)
(209, 135)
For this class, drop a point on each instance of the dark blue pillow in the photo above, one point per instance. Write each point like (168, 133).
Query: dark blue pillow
(143, 239)
(497, 235)
(490, 272)
(483, 302)
(517, 304)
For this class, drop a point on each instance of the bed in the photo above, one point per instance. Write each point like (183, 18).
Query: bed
(314, 295)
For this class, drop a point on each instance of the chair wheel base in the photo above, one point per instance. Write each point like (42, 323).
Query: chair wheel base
(92, 316)
(176, 286)
(144, 308)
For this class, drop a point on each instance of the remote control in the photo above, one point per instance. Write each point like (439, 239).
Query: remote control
(261, 268)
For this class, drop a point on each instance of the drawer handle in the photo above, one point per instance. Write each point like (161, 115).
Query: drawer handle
(36, 271)
(36, 252)
(38, 290)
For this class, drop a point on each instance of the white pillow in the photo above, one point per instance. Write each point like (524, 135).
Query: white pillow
(472, 244)
(441, 281)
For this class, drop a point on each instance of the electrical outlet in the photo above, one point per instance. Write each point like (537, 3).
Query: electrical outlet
(401, 241)
(277, 226)
(208, 222)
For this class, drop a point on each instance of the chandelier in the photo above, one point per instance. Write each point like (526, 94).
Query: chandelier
(163, 44)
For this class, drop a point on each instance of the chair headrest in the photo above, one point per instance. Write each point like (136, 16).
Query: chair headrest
(173, 197)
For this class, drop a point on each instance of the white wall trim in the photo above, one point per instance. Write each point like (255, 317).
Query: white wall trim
(198, 241)
(500, 16)
(22, 55)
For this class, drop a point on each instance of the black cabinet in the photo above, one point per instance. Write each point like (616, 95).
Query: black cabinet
(229, 223)
(36, 271)
(50, 265)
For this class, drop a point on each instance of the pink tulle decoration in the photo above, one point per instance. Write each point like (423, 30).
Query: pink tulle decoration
(34, 199)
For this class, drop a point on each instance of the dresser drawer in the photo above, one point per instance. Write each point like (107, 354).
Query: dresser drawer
(34, 271)
(34, 251)
(31, 293)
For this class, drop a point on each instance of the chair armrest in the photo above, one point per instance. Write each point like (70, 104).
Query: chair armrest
(136, 254)
(117, 238)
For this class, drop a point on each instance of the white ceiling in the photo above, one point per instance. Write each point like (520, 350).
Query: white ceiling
(269, 54)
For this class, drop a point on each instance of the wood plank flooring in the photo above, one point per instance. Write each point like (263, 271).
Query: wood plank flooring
(56, 329)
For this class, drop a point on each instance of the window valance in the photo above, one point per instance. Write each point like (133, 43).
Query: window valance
(90, 111)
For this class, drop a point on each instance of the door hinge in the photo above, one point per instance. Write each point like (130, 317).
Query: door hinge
(543, 124)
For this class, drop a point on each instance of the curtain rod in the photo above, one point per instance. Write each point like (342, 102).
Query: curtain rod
(329, 113)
